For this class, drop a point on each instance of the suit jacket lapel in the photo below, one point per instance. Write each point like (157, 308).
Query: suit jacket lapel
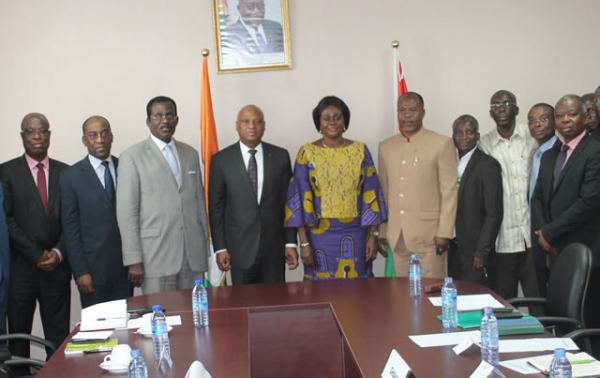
(29, 183)
(242, 171)
(158, 156)
(267, 169)
(573, 158)
(468, 169)
(90, 174)
(53, 188)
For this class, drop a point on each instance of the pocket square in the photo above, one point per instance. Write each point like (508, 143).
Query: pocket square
(191, 172)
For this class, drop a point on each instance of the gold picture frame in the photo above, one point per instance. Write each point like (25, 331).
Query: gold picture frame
(252, 35)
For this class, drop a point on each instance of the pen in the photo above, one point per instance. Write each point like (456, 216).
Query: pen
(99, 350)
(485, 272)
(85, 341)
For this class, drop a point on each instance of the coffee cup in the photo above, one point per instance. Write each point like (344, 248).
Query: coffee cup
(120, 355)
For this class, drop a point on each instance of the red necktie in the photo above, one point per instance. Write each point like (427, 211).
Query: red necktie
(41, 185)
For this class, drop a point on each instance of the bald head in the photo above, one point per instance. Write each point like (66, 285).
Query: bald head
(570, 115)
(250, 125)
(35, 116)
(35, 134)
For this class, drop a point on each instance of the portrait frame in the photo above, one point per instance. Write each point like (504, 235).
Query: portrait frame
(238, 49)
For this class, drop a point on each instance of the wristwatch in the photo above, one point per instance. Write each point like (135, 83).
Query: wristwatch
(374, 232)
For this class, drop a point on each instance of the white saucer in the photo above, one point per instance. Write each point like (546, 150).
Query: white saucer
(114, 368)
(147, 331)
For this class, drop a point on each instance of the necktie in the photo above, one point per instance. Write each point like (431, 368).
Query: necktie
(41, 186)
(109, 184)
(172, 161)
(560, 162)
(253, 172)
(262, 44)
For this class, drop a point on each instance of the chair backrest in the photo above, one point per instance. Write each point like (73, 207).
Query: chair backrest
(568, 282)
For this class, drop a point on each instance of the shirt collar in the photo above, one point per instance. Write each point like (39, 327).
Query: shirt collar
(31, 162)
(548, 144)
(161, 144)
(251, 29)
(414, 137)
(245, 148)
(573, 143)
(466, 156)
(519, 132)
(97, 162)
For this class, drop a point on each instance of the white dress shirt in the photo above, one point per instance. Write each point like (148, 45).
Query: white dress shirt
(99, 169)
(252, 31)
(514, 155)
(161, 146)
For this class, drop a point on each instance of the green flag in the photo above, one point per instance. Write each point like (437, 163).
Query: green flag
(390, 270)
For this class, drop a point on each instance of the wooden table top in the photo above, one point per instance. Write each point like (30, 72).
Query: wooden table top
(372, 316)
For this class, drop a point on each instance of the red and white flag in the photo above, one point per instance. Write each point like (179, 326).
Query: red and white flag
(400, 84)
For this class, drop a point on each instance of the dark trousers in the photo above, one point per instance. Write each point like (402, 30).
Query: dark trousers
(3, 308)
(54, 297)
(460, 271)
(263, 270)
(543, 276)
(512, 268)
(105, 294)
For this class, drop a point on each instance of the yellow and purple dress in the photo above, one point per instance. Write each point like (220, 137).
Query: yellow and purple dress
(335, 194)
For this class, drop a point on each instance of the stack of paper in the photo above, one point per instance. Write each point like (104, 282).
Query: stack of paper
(470, 302)
(107, 315)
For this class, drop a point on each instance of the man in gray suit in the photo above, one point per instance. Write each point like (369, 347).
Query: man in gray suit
(246, 197)
(160, 206)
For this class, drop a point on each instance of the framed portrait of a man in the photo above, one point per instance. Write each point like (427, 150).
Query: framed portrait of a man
(252, 35)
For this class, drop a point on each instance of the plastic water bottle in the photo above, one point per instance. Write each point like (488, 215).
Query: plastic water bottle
(489, 337)
(449, 304)
(200, 305)
(137, 366)
(160, 335)
(414, 276)
(560, 366)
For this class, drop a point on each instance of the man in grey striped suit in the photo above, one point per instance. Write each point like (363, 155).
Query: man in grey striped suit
(160, 206)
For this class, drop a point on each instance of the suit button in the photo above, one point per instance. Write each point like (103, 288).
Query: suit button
(403, 161)
(401, 212)
(401, 195)
(401, 178)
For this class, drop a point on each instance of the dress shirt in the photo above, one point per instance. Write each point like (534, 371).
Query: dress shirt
(253, 32)
(535, 163)
(260, 165)
(515, 156)
(99, 169)
(573, 145)
(32, 163)
(161, 146)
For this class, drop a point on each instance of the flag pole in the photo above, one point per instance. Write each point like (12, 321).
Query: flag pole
(395, 61)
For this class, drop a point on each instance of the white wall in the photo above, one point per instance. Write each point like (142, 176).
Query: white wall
(70, 59)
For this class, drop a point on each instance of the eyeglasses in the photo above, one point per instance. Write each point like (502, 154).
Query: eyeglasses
(103, 134)
(502, 105)
(158, 117)
(252, 6)
(332, 117)
(541, 121)
(32, 132)
(462, 133)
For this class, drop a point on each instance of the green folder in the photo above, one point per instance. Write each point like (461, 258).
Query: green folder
(516, 326)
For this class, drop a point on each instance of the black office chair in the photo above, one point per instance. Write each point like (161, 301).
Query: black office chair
(585, 338)
(16, 362)
(567, 289)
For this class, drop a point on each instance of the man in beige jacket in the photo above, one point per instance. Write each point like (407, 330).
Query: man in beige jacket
(418, 174)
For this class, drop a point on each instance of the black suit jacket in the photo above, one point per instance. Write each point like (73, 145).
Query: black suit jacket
(30, 229)
(90, 226)
(480, 208)
(569, 213)
(236, 40)
(238, 223)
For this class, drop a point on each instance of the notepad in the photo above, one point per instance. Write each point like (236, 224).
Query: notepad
(582, 364)
(74, 348)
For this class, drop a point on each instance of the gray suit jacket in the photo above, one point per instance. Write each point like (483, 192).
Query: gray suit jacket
(161, 222)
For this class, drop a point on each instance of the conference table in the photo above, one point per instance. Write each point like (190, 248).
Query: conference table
(337, 328)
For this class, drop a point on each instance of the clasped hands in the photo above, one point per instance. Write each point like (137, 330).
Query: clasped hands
(48, 260)
(544, 243)
(291, 259)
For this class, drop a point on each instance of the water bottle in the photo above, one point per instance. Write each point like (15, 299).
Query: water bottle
(560, 366)
(200, 305)
(137, 366)
(449, 304)
(489, 337)
(160, 336)
(414, 276)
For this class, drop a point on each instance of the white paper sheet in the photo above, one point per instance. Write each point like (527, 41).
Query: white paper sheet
(395, 366)
(440, 339)
(483, 370)
(145, 321)
(535, 345)
(107, 315)
(470, 302)
(95, 335)
(520, 365)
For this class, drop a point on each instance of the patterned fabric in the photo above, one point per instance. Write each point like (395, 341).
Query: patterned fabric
(336, 195)
(253, 171)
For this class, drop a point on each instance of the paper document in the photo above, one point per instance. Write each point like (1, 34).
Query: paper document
(145, 321)
(535, 345)
(470, 302)
(440, 339)
(520, 365)
(95, 335)
(582, 364)
(107, 315)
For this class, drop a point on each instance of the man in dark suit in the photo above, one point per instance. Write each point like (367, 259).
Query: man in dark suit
(566, 199)
(251, 34)
(89, 219)
(480, 209)
(4, 267)
(592, 120)
(38, 268)
(246, 199)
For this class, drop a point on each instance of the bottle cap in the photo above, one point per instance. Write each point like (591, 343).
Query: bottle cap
(489, 310)
(560, 352)
(448, 280)
(156, 308)
(414, 256)
(199, 282)
(135, 353)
